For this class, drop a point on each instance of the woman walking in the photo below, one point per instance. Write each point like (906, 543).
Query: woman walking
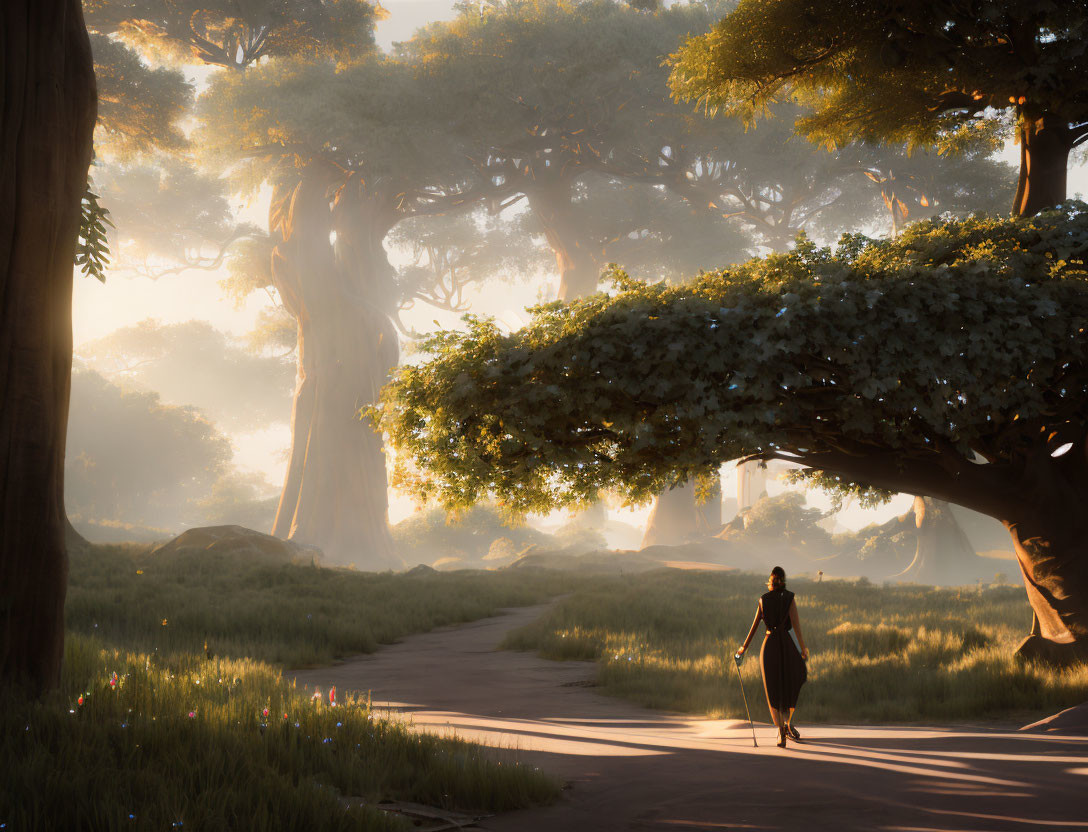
(783, 666)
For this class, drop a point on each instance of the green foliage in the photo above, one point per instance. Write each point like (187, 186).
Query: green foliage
(839, 489)
(386, 121)
(136, 741)
(785, 515)
(961, 340)
(912, 72)
(139, 107)
(665, 639)
(93, 248)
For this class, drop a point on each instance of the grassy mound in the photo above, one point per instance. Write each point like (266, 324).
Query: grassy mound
(665, 639)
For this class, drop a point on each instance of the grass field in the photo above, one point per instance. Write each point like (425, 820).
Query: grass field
(665, 639)
(290, 615)
(149, 732)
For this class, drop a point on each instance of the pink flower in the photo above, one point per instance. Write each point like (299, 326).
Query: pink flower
(192, 714)
(264, 712)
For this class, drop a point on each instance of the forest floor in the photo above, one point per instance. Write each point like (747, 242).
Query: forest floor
(631, 768)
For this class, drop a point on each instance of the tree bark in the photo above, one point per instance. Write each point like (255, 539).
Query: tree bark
(49, 106)
(943, 554)
(678, 516)
(673, 519)
(1049, 544)
(335, 493)
(1045, 144)
(579, 271)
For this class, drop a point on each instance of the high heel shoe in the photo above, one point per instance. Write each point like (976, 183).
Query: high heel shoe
(781, 737)
(793, 732)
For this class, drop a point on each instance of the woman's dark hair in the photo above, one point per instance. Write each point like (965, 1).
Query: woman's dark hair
(777, 579)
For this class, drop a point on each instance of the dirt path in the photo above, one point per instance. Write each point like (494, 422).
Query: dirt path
(632, 768)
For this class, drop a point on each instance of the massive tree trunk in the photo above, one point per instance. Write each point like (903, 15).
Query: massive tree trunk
(335, 493)
(678, 516)
(943, 554)
(1049, 534)
(578, 268)
(673, 519)
(1045, 143)
(45, 149)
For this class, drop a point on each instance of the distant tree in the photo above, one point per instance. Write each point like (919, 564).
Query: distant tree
(919, 73)
(46, 127)
(134, 460)
(139, 468)
(432, 535)
(234, 35)
(194, 363)
(351, 152)
(167, 216)
(785, 515)
(554, 90)
(857, 363)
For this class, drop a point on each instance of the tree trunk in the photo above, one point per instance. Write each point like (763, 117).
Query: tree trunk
(48, 109)
(1044, 161)
(678, 516)
(578, 268)
(943, 555)
(335, 493)
(1049, 545)
(674, 519)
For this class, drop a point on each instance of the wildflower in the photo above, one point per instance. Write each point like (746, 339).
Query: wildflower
(317, 695)
(265, 712)
(332, 695)
(138, 572)
(79, 701)
(164, 622)
(192, 714)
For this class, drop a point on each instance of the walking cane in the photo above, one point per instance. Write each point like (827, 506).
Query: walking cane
(736, 660)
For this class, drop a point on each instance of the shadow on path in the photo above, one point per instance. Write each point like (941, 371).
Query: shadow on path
(634, 769)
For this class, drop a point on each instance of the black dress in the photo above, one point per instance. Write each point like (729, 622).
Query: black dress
(783, 668)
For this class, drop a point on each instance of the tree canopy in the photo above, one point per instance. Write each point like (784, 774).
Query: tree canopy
(919, 73)
(193, 363)
(899, 364)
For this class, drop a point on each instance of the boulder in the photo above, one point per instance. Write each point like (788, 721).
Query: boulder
(238, 543)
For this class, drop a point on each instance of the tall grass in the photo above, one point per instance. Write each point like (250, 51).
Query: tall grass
(287, 614)
(133, 742)
(153, 730)
(665, 639)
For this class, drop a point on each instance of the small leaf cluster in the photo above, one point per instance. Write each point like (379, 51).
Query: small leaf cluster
(93, 248)
(960, 339)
